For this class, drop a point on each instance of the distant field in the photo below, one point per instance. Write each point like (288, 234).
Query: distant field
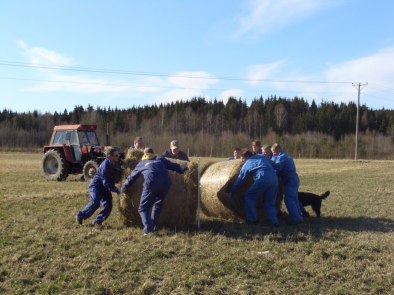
(350, 250)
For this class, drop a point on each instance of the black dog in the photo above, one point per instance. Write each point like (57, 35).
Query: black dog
(310, 199)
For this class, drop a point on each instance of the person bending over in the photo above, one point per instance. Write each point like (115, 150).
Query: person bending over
(285, 167)
(265, 184)
(100, 189)
(155, 188)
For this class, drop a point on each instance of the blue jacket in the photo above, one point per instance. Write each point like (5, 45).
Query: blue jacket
(155, 173)
(181, 155)
(284, 166)
(261, 168)
(104, 179)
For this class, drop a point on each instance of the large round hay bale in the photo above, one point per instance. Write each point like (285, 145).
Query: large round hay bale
(132, 158)
(214, 183)
(180, 205)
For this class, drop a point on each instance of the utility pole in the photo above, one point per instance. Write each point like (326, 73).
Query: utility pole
(358, 86)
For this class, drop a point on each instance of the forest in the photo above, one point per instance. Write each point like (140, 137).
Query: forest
(214, 128)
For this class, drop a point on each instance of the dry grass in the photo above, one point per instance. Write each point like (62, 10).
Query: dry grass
(347, 251)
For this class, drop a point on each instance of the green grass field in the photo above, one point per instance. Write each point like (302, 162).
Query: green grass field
(347, 251)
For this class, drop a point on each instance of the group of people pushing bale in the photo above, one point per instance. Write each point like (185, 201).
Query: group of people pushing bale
(255, 178)
(156, 184)
(266, 163)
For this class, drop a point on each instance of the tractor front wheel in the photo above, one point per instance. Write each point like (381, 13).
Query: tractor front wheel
(54, 166)
(89, 170)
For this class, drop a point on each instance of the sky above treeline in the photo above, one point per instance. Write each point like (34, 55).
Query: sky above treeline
(59, 54)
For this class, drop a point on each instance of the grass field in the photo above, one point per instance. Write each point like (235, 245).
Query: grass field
(347, 251)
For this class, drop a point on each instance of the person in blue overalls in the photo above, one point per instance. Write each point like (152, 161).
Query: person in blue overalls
(265, 184)
(285, 167)
(256, 147)
(175, 152)
(236, 154)
(100, 189)
(156, 186)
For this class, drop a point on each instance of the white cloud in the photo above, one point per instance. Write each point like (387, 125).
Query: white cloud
(182, 85)
(54, 81)
(43, 56)
(262, 71)
(263, 16)
(150, 85)
(81, 84)
(187, 85)
(236, 93)
(376, 69)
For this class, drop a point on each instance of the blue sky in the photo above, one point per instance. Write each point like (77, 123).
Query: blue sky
(55, 55)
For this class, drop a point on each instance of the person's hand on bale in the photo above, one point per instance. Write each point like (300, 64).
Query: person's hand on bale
(228, 194)
(121, 191)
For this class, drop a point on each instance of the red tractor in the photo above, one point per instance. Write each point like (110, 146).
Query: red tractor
(74, 149)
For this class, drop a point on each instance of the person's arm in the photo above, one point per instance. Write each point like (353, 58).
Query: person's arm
(278, 164)
(240, 179)
(108, 182)
(184, 156)
(166, 154)
(131, 178)
(174, 166)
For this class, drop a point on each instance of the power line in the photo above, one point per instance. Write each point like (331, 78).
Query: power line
(135, 86)
(135, 73)
(381, 86)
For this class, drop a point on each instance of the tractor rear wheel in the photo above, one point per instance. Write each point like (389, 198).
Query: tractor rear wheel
(54, 166)
(89, 170)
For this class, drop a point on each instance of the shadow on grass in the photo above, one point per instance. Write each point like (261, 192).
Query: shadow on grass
(314, 227)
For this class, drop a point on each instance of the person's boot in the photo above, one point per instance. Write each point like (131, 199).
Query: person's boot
(78, 219)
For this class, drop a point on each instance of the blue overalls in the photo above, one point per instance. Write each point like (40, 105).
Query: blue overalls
(156, 186)
(100, 189)
(180, 156)
(284, 165)
(265, 185)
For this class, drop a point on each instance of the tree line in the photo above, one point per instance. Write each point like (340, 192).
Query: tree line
(214, 128)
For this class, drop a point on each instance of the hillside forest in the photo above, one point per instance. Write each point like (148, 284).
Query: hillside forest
(214, 128)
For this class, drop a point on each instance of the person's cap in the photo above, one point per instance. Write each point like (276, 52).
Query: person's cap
(148, 150)
(175, 144)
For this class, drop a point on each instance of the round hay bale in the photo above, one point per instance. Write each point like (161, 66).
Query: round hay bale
(180, 205)
(215, 181)
(132, 158)
(204, 166)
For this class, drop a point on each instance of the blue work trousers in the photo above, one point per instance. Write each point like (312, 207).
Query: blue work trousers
(291, 201)
(97, 198)
(152, 201)
(266, 188)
